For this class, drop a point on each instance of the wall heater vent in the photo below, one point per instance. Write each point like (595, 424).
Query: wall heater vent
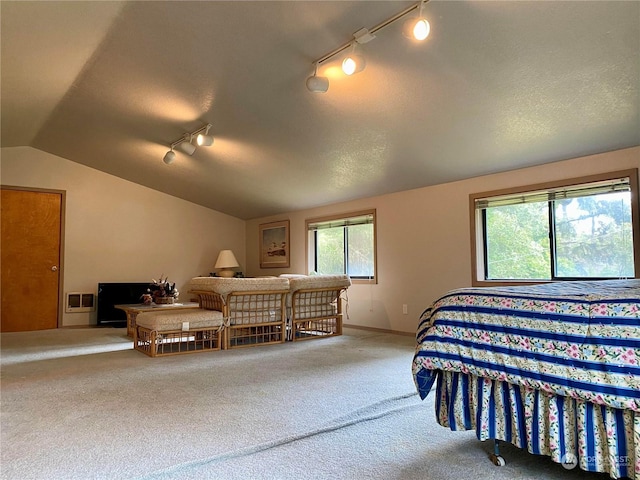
(80, 302)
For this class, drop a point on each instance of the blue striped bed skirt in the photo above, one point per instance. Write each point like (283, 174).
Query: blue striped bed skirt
(571, 431)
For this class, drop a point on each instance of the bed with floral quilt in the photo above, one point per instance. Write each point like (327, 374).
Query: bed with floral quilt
(553, 368)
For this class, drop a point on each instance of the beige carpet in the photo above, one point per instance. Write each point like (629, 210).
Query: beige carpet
(82, 404)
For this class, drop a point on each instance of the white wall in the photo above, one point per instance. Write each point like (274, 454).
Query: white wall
(423, 238)
(118, 231)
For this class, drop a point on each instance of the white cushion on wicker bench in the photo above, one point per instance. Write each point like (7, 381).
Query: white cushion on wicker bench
(300, 282)
(224, 286)
(166, 321)
(310, 282)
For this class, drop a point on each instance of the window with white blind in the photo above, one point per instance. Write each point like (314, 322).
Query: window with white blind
(572, 230)
(343, 244)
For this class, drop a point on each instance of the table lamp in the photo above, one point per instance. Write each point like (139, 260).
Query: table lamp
(226, 261)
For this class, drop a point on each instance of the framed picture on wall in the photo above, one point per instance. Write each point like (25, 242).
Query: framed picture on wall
(274, 244)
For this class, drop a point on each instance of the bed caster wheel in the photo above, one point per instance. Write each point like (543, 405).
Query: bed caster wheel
(497, 460)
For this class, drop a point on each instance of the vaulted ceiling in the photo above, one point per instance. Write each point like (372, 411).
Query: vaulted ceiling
(496, 86)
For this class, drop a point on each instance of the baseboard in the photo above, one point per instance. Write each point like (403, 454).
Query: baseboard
(381, 330)
(91, 325)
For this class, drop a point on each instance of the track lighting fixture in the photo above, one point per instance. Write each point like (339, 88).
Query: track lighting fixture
(185, 144)
(416, 27)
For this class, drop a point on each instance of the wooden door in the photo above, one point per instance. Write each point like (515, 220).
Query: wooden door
(31, 238)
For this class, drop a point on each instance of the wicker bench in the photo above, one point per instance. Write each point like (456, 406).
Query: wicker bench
(159, 333)
(314, 305)
(253, 308)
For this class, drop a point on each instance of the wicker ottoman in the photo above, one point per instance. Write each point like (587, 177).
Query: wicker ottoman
(179, 331)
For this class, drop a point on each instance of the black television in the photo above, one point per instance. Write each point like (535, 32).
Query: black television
(110, 294)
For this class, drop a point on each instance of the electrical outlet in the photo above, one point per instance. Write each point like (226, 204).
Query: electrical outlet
(404, 309)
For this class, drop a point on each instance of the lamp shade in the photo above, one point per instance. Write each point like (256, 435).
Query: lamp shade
(226, 261)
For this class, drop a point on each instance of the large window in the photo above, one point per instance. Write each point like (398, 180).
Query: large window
(343, 244)
(578, 229)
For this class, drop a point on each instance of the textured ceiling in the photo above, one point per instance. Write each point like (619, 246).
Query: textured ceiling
(497, 86)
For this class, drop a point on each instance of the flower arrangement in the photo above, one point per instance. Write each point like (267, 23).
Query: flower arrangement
(162, 291)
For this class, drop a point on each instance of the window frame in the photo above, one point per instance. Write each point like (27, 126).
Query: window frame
(310, 251)
(478, 246)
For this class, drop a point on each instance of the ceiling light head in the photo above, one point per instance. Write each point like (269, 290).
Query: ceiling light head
(417, 27)
(353, 63)
(204, 139)
(186, 146)
(317, 84)
(169, 157)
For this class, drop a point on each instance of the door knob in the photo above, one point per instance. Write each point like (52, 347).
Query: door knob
(54, 268)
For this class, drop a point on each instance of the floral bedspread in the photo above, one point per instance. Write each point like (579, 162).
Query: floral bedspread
(575, 339)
